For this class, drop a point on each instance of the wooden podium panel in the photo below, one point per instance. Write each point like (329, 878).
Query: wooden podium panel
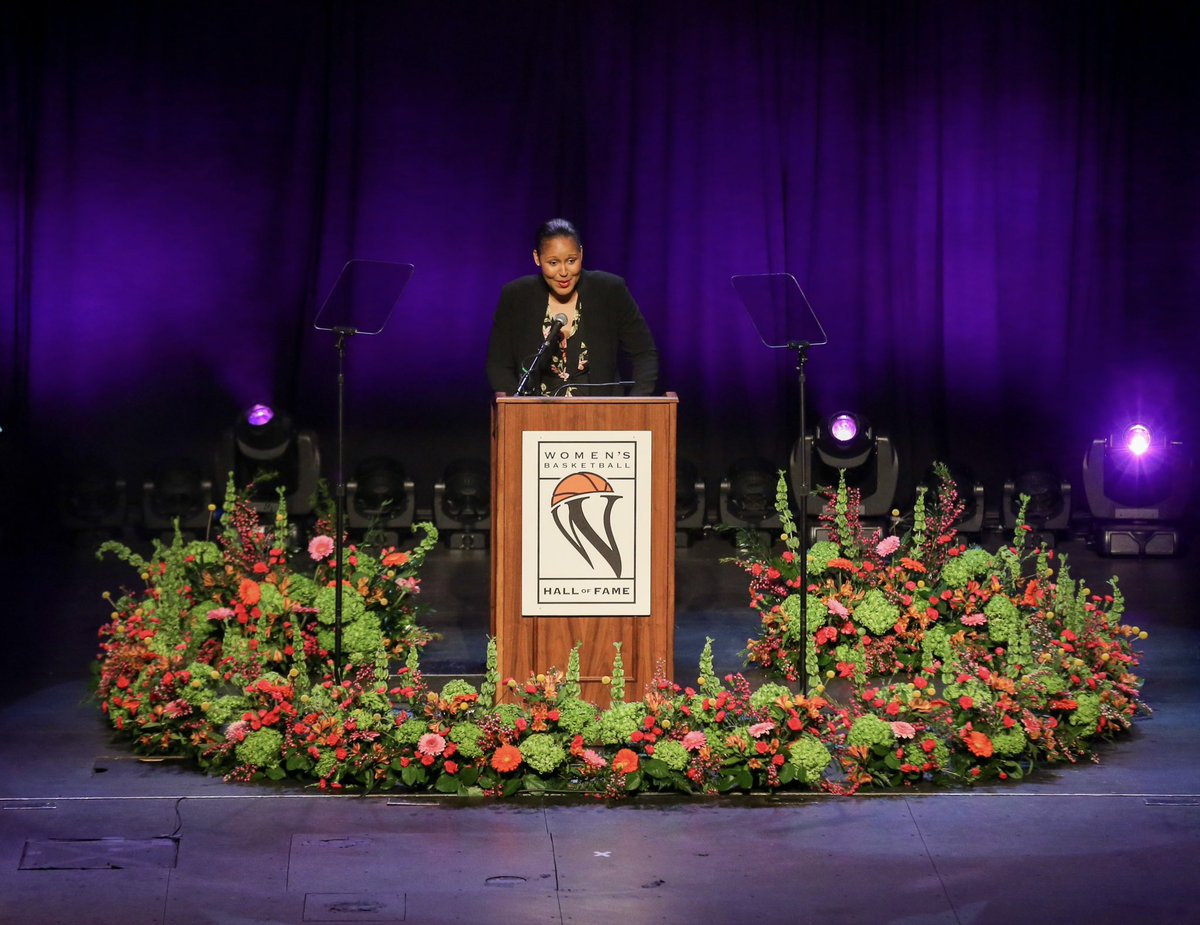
(528, 643)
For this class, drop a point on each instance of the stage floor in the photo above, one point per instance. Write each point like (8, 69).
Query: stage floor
(88, 833)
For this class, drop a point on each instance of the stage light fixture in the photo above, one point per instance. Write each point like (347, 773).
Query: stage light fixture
(380, 496)
(1138, 484)
(265, 448)
(748, 495)
(462, 504)
(177, 490)
(690, 511)
(1048, 512)
(847, 441)
(91, 496)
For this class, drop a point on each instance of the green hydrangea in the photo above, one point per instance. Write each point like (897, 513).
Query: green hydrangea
(1087, 714)
(302, 589)
(575, 715)
(410, 732)
(935, 646)
(672, 754)
(542, 752)
(263, 749)
(876, 613)
(870, 730)
(976, 690)
(1053, 683)
(227, 708)
(939, 754)
(325, 764)
(617, 724)
(816, 616)
(361, 638)
(1004, 620)
(326, 604)
(1009, 742)
(819, 555)
(270, 601)
(205, 554)
(509, 713)
(957, 572)
(766, 695)
(466, 736)
(809, 756)
(458, 688)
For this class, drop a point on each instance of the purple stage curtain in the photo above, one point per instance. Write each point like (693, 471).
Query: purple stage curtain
(994, 208)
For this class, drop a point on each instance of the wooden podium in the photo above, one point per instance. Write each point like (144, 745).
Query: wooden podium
(583, 537)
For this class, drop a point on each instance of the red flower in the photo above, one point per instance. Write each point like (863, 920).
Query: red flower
(451, 767)
(507, 758)
(249, 593)
(625, 762)
(978, 744)
(966, 702)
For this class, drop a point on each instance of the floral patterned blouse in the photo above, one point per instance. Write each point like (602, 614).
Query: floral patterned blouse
(569, 363)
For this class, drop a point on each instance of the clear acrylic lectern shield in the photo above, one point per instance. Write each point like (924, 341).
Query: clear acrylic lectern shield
(779, 309)
(363, 297)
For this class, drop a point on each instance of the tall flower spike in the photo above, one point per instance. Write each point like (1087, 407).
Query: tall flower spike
(281, 519)
(708, 674)
(491, 676)
(617, 691)
(570, 686)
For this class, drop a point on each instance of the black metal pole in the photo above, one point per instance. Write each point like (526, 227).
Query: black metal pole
(802, 493)
(339, 502)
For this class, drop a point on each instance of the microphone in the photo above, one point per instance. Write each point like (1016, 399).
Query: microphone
(557, 323)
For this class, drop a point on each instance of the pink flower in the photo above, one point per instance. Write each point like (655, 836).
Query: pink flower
(694, 741)
(220, 613)
(237, 731)
(593, 760)
(903, 730)
(760, 729)
(973, 619)
(836, 606)
(431, 744)
(320, 547)
(888, 545)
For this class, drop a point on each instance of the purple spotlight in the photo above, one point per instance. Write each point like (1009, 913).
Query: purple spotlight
(259, 415)
(843, 427)
(1137, 439)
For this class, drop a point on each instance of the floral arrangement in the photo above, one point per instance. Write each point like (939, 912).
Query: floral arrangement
(958, 665)
(955, 662)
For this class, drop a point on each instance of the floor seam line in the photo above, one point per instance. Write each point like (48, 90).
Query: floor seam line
(932, 862)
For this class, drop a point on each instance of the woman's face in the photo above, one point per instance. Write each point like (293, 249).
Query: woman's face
(561, 260)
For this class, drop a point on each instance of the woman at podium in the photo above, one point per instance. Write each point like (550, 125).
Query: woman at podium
(586, 319)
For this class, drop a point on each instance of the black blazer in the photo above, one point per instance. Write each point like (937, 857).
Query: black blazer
(612, 324)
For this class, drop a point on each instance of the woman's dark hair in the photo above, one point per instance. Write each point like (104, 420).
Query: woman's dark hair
(555, 228)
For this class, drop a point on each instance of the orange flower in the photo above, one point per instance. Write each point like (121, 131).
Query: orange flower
(625, 762)
(395, 558)
(249, 592)
(507, 758)
(845, 564)
(978, 744)
(912, 565)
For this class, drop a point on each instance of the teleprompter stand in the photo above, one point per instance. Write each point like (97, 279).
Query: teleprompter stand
(784, 319)
(360, 302)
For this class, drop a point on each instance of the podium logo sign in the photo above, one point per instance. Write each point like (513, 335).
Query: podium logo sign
(585, 498)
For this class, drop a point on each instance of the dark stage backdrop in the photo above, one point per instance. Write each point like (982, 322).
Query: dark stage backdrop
(994, 208)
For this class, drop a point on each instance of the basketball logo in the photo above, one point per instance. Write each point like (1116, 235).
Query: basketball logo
(574, 498)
